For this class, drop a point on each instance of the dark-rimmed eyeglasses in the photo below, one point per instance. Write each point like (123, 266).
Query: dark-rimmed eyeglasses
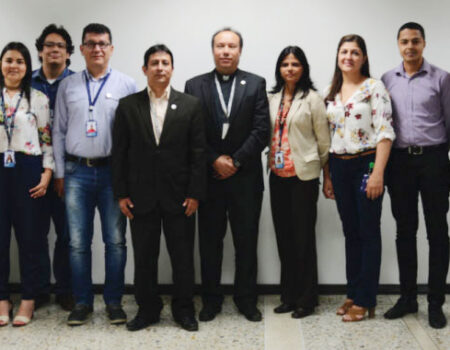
(51, 45)
(92, 44)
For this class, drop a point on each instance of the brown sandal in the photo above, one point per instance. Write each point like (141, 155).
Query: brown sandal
(358, 313)
(344, 307)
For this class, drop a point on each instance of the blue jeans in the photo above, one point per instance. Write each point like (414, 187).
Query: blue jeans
(87, 188)
(360, 218)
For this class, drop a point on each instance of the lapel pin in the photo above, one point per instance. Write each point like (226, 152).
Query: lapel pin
(243, 82)
(108, 95)
(173, 106)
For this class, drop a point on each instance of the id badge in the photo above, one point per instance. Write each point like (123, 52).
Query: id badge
(91, 128)
(225, 127)
(9, 159)
(279, 160)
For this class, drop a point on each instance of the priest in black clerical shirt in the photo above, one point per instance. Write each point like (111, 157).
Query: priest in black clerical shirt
(237, 127)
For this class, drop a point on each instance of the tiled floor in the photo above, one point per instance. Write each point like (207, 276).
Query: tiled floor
(230, 331)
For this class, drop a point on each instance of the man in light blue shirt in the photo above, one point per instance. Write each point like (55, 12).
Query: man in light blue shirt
(84, 115)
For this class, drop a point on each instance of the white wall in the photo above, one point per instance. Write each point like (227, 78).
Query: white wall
(267, 27)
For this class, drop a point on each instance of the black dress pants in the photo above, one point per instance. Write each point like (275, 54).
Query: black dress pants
(179, 234)
(240, 202)
(294, 213)
(427, 174)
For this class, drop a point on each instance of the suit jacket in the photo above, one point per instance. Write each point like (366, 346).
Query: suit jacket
(308, 132)
(249, 123)
(169, 172)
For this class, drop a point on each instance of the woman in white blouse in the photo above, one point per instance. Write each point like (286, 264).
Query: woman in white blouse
(25, 171)
(298, 151)
(359, 113)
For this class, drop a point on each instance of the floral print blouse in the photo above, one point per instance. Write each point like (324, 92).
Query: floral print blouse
(32, 132)
(363, 121)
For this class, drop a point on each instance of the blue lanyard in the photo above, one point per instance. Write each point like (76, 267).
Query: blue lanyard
(10, 127)
(92, 103)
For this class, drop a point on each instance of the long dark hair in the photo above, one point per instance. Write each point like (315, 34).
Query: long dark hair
(25, 84)
(304, 83)
(336, 83)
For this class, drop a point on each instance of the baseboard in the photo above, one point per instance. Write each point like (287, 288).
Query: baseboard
(264, 289)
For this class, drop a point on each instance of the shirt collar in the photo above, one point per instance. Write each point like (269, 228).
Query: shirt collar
(165, 95)
(425, 68)
(91, 78)
(39, 74)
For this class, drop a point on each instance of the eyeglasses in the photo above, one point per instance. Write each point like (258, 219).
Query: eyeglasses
(92, 44)
(51, 45)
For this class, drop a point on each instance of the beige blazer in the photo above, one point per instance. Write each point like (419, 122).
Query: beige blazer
(308, 132)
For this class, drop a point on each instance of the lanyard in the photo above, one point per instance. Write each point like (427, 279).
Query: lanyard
(226, 109)
(281, 120)
(92, 103)
(9, 127)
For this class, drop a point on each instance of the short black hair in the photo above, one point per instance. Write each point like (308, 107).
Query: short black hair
(96, 28)
(157, 48)
(50, 29)
(228, 29)
(412, 25)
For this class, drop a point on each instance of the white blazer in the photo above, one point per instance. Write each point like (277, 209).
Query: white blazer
(308, 132)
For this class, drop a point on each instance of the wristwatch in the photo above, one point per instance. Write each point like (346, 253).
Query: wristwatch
(236, 163)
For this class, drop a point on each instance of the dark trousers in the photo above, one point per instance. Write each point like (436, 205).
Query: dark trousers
(23, 213)
(179, 233)
(294, 213)
(427, 174)
(360, 218)
(242, 206)
(55, 210)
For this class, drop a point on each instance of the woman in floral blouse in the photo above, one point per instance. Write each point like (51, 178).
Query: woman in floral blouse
(298, 151)
(359, 113)
(25, 171)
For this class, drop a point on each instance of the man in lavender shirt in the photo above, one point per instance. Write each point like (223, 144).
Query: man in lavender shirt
(419, 163)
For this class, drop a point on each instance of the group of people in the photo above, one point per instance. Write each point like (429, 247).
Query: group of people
(158, 156)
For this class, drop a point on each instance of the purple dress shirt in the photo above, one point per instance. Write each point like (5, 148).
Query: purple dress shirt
(420, 105)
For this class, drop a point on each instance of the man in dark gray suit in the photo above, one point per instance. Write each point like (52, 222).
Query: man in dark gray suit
(237, 130)
(159, 175)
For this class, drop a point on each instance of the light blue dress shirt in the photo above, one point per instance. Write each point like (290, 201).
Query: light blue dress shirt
(72, 113)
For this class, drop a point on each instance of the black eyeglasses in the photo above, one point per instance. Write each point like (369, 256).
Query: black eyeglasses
(51, 45)
(92, 44)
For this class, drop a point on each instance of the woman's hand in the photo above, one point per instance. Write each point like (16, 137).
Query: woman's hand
(375, 186)
(327, 188)
(41, 189)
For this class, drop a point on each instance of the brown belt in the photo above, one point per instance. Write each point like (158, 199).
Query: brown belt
(353, 156)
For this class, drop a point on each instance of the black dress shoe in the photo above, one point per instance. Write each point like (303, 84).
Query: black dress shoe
(141, 321)
(187, 322)
(301, 312)
(208, 313)
(284, 308)
(41, 300)
(436, 317)
(251, 313)
(66, 301)
(401, 308)
(116, 314)
(79, 315)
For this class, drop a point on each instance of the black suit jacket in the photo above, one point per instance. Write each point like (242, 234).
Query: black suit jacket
(169, 172)
(249, 123)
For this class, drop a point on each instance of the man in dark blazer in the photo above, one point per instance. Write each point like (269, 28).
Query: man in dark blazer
(237, 130)
(159, 175)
